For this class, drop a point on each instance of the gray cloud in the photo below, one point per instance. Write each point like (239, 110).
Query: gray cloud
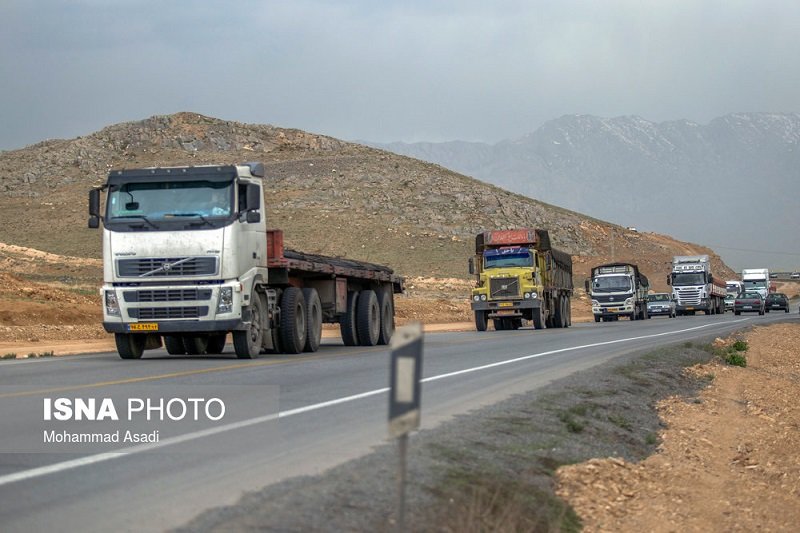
(394, 70)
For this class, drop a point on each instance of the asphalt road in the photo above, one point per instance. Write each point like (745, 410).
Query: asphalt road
(286, 416)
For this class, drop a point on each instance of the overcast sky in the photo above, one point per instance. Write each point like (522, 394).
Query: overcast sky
(393, 70)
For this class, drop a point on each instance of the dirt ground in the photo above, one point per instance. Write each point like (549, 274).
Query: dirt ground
(727, 462)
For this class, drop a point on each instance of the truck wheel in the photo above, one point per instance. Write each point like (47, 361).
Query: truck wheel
(558, 315)
(538, 317)
(293, 320)
(498, 324)
(313, 320)
(597, 318)
(369, 318)
(216, 343)
(130, 346)
(247, 343)
(174, 345)
(569, 311)
(481, 320)
(516, 323)
(386, 305)
(195, 344)
(347, 322)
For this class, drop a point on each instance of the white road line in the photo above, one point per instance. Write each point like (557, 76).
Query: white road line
(102, 457)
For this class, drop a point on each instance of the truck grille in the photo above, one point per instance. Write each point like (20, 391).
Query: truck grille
(160, 313)
(166, 267)
(167, 295)
(503, 287)
(617, 299)
(689, 297)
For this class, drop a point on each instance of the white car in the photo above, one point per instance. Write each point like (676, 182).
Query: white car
(660, 303)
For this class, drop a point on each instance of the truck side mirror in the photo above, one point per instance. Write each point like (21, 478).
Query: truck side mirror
(669, 280)
(471, 263)
(587, 285)
(711, 278)
(94, 209)
(252, 217)
(253, 197)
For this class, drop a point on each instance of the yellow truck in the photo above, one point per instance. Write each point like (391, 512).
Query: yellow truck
(520, 276)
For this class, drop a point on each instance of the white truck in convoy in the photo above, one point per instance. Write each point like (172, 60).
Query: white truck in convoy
(618, 289)
(694, 287)
(733, 286)
(188, 258)
(756, 279)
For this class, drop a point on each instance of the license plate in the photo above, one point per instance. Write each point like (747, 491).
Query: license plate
(505, 304)
(505, 312)
(747, 307)
(613, 309)
(143, 326)
(690, 308)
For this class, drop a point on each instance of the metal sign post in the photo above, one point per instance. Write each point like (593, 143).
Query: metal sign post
(404, 400)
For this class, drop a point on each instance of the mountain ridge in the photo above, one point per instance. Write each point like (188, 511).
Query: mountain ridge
(627, 169)
(330, 196)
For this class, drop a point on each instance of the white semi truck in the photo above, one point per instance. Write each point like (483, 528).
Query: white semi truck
(694, 287)
(618, 289)
(756, 279)
(188, 259)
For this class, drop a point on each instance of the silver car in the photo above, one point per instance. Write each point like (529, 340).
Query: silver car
(660, 303)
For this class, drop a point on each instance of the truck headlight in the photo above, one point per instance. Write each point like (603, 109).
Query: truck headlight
(629, 301)
(534, 296)
(527, 296)
(225, 302)
(112, 304)
(483, 297)
(477, 298)
(595, 303)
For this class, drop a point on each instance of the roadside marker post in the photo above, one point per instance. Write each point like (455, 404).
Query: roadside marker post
(404, 400)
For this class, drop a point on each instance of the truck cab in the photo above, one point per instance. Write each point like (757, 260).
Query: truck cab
(618, 289)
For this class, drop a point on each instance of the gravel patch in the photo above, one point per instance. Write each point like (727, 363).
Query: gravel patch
(491, 469)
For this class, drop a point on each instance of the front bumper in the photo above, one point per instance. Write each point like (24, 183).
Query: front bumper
(506, 308)
(176, 326)
(617, 310)
(651, 311)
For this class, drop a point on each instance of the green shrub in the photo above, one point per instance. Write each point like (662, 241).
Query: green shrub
(740, 346)
(10, 356)
(735, 358)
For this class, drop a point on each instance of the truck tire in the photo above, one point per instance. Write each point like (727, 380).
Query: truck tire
(130, 346)
(558, 315)
(347, 322)
(294, 329)
(368, 316)
(313, 320)
(569, 311)
(247, 343)
(195, 344)
(216, 343)
(597, 318)
(481, 320)
(386, 306)
(538, 317)
(516, 323)
(498, 324)
(174, 345)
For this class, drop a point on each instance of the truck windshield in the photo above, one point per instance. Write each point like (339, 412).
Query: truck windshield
(688, 278)
(160, 201)
(658, 298)
(499, 259)
(751, 284)
(612, 284)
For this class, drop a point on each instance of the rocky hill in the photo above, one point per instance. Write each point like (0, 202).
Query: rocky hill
(732, 182)
(329, 196)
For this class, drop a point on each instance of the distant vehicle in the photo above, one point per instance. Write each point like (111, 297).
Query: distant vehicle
(756, 279)
(795, 275)
(694, 288)
(660, 303)
(773, 275)
(729, 299)
(749, 302)
(776, 301)
(733, 286)
(618, 289)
